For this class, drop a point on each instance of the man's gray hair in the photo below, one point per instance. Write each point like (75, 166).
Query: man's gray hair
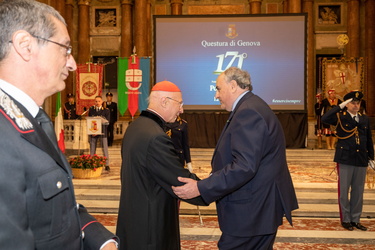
(242, 77)
(29, 15)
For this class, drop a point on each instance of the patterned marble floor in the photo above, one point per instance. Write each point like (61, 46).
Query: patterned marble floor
(307, 233)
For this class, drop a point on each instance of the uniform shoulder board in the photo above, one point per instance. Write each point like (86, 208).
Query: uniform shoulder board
(14, 114)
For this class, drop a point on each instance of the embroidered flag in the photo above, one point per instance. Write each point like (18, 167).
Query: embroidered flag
(133, 84)
(89, 83)
(59, 126)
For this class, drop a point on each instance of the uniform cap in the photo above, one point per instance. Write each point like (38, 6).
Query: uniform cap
(165, 86)
(109, 94)
(356, 95)
(69, 95)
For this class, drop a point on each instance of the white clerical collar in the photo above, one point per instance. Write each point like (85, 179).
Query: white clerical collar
(153, 111)
(20, 97)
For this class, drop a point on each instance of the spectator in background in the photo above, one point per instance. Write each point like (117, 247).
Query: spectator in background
(70, 108)
(112, 106)
(327, 104)
(318, 113)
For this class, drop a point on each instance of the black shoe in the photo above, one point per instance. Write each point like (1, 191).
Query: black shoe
(347, 225)
(359, 226)
(107, 168)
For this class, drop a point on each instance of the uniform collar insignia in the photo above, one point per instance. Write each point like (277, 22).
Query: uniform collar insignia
(12, 111)
(169, 132)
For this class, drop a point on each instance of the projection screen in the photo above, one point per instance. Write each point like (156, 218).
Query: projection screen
(191, 51)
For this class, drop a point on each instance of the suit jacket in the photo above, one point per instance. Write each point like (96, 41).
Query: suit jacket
(250, 180)
(103, 112)
(38, 206)
(148, 213)
(348, 151)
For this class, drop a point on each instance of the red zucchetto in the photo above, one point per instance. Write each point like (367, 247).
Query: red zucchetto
(165, 86)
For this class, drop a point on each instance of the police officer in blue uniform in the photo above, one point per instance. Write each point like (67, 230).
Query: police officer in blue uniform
(70, 108)
(178, 131)
(112, 106)
(353, 151)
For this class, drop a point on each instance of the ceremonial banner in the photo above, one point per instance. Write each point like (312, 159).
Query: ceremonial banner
(343, 75)
(59, 126)
(89, 82)
(133, 84)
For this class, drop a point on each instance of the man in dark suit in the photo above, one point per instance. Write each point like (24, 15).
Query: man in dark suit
(148, 213)
(112, 106)
(353, 151)
(250, 180)
(38, 207)
(99, 110)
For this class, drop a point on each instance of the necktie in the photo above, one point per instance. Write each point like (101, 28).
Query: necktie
(355, 118)
(46, 124)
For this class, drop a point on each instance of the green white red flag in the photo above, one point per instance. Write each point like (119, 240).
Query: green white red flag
(59, 126)
(133, 84)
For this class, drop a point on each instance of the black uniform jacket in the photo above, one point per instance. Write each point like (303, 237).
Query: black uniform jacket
(350, 149)
(38, 207)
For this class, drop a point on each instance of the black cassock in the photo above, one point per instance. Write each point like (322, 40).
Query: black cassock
(148, 213)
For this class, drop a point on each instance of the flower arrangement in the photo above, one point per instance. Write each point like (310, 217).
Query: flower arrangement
(87, 162)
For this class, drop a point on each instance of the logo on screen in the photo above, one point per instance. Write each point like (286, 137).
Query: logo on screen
(232, 33)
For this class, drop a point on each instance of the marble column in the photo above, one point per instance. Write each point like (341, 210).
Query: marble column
(69, 10)
(52, 3)
(176, 7)
(294, 6)
(370, 56)
(83, 31)
(141, 27)
(285, 6)
(255, 6)
(308, 7)
(353, 29)
(60, 7)
(126, 48)
(149, 31)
